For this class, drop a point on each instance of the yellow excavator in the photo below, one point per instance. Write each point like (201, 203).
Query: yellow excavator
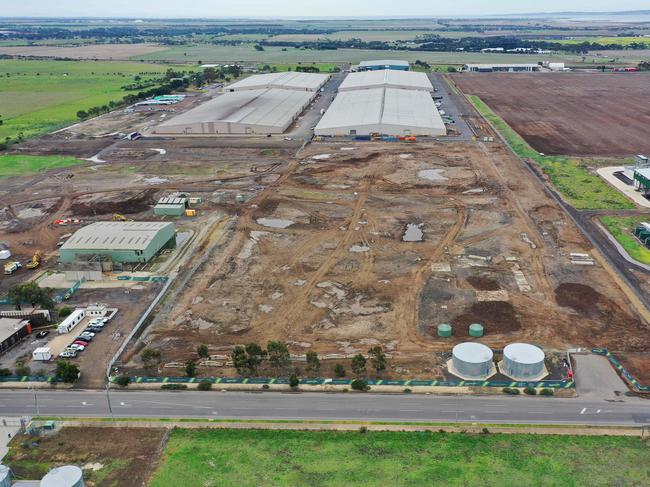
(36, 260)
(120, 218)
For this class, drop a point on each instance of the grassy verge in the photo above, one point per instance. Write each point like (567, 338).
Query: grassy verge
(281, 68)
(22, 165)
(284, 458)
(622, 229)
(577, 185)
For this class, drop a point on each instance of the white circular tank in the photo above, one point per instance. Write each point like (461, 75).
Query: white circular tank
(471, 359)
(5, 476)
(66, 476)
(523, 361)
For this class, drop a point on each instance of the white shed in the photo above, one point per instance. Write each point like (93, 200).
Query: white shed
(71, 321)
(42, 353)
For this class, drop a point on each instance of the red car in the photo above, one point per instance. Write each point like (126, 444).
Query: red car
(79, 342)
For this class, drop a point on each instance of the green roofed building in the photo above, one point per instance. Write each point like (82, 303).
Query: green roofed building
(123, 242)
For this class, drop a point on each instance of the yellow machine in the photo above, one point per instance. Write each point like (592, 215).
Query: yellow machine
(36, 260)
(190, 212)
(120, 218)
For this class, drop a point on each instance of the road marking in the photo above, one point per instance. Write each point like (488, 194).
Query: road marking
(215, 413)
(455, 411)
(539, 412)
(411, 410)
(123, 404)
(598, 411)
(583, 411)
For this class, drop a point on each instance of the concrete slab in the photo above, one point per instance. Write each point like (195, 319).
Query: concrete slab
(8, 429)
(596, 379)
(607, 173)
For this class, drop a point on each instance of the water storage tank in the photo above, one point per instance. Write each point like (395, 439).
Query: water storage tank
(476, 330)
(472, 360)
(5, 476)
(66, 476)
(444, 330)
(523, 361)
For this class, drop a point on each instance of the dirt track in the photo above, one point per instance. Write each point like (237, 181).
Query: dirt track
(601, 114)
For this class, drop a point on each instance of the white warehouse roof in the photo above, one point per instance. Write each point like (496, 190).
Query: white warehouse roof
(115, 235)
(384, 62)
(386, 111)
(388, 78)
(241, 112)
(289, 81)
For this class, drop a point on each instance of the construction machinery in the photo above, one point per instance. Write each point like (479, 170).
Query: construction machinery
(120, 218)
(11, 267)
(36, 260)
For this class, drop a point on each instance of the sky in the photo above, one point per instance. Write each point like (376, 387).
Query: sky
(300, 8)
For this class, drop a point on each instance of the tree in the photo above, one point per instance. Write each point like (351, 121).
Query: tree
(359, 385)
(294, 382)
(202, 351)
(123, 380)
(278, 353)
(82, 115)
(64, 311)
(258, 47)
(151, 357)
(313, 363)
(359, 364)
(339, 370)
(67, 371)
(30, 292)
(247, 359)
(377, 358)
(205, 385)
(190, 368)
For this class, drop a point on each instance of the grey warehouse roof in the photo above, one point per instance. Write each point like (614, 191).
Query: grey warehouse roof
(388, 78)
(265, 107)
(382, 110)
(115, 236)
(502, 65)
(8, 327)
(288, 81)
(384, 62)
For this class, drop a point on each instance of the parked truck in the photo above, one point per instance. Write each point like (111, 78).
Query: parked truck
(36, 260)
(11, 267)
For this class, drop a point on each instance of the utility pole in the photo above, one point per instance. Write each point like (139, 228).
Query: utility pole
(108, 400)
(35, 402)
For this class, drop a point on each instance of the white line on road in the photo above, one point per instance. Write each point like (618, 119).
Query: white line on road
(583, 411)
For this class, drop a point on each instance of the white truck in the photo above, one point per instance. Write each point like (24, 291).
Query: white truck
(11, 267)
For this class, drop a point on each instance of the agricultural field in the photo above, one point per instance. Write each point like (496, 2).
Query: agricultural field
(574, 114)
(581, 188)
(364, 35)
(289, 458)
(89, 51)
(24, 165)
(40, 96)
(273, 54)
(604, 40)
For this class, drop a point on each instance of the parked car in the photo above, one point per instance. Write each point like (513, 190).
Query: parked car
(68, 353)
(93, 329)
(42, 333)
(81, 342)
(87, 333)
(77, 347)
(95, 321)
(84, 339)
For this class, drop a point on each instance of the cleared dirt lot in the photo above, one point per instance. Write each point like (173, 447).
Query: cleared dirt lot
(602, 114)
(100, 51)
(318, 259)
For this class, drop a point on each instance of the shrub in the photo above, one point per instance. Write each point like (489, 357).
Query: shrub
(339, 370)
(5, 372)
(485, 431)
(407, 391)
(546, 392)
(265, 386)
(123, 380)
(22, 369)
(360, 385)
(151, 357)
(531, 391)
(294, 382)
(190, 368)
(174, 387)
(67, 371)
(205, 385)
(363, 430)
(510, 390)
(202, 351)
(359, 364)
(64, 311)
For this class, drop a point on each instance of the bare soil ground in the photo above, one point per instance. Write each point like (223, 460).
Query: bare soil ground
(637, 364)
(318, 259)
(603, 114)
(108, 456)
(99, 51)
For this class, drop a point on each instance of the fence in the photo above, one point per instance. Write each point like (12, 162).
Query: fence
(631, 380)
(549, 384)
(29, 378)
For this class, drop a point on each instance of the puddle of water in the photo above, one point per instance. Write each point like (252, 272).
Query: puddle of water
(275, 222)
(432, 174)
(359, 248)
(320, 157)
(413, 233)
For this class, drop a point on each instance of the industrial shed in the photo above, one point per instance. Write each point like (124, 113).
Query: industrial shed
(380, 64)
(172, 205)
(387, 111)
(388, 79)
(287, 81)
(509, 68)
(259, 111)
(124, 242)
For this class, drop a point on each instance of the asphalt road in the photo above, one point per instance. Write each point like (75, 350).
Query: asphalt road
(624, 411)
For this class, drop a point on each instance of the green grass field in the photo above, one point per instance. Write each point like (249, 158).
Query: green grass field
(300, 458)
(22, 165)
(364, 35)
(622, 229)
(40, 96)
(578, 186)
(624, 41)
(324, 67)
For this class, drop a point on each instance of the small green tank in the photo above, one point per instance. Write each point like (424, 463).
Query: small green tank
(444, 330)
(475, 330)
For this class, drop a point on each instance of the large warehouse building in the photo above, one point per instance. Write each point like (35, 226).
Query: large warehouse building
(262, 104)
(123, 242)
(383, 102)
(508, 68)
(382, 64)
